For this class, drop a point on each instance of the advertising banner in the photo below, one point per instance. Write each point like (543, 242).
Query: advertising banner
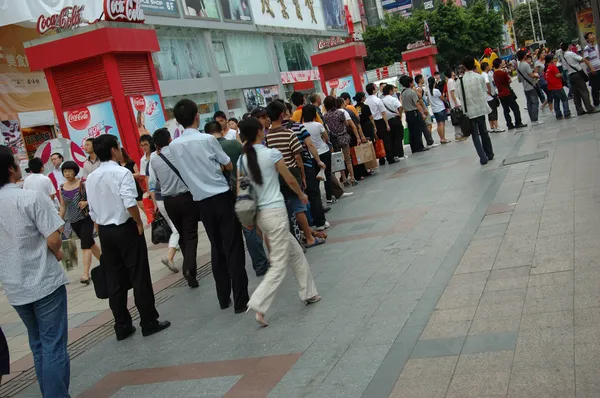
(148, 113)
(585, 21)
(91, 121)
(10, 136)
(205, 9)
(300, 76)
(289, 13)
(260, 96)
(236, 10)
(401, 6)
(334, 14)
(341, 85)
(166, 8)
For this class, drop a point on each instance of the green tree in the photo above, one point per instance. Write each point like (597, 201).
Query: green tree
(557, 27)
(458, 32)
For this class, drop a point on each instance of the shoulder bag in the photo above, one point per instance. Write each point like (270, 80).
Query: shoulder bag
(465, 123)
(581, 73)
(536, 87)
(246, 203)
(164, 158)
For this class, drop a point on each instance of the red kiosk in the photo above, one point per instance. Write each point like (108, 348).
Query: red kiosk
(420, 58)
(101, 77)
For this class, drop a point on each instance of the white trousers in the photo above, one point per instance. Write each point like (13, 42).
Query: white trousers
(284, 251)
(174, 239)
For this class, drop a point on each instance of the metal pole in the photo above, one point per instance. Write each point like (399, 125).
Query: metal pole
(532, 24)
(596, 14)
(537, 5)
(513, 26)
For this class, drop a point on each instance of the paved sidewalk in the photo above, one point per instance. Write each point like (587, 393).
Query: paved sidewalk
(440, 278)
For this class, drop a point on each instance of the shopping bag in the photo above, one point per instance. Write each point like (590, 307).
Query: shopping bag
(406, 136)
(321, 176)
(149, 209)
(361, 154)
(372, 164)
(69, 249)
(337, 162)
(161, 232)
(379, 149)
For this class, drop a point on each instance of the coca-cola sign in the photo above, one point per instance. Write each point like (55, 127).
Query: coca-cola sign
(68, 18)
(333, 41)
(124, 11)
(139, 103)
(79, 119)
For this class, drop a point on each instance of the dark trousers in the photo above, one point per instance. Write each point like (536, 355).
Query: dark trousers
(396, 137)
(314, 194)
(581, 95)
(481, 140)
(510, 104)
(426, 132)
(183, 213)
(227, 248)
(415, 130)
(387, 137)
(125, 261)
(595, 83)
(326, 158)
(559, 96)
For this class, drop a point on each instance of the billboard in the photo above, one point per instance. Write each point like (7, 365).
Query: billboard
(403, 7)
(148, 113)
(341, 85)
(204, 9)
(260, 96)
(335, 17)
(585, 21)
(166, 8)
(289, 13)
(236, 10)
(91, 121)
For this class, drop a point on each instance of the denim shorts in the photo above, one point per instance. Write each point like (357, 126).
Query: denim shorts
(441, 117)
(296, 205)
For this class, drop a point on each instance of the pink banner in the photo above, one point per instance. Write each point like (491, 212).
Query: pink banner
(300, 76)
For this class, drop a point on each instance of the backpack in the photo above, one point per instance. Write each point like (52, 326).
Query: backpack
(246, 205)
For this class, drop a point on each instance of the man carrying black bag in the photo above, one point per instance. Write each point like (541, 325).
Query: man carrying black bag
(112, 196)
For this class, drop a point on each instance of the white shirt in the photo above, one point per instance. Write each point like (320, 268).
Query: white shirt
(58, 175)
(268, 194)
(199, 157)
(486, 79)
(451, 88)
(391, 102)
(316, 131)
(346, 114)
(437, 105)
(572, 62)
(376, 106)
(110, 191)
(474, 95)
(144, 165)
(231, 134)
(28, 269)
(39, 183)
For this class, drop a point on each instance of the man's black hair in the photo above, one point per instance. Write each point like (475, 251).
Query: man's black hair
(346, 96)
(484, 66)
(405, 81)
(213, 127)
(275, 109)
(103, 146)
(35, 165)
(587, 34)
(7, 161)
(469, 62)
(497, 62)
(233, 119)
(388, 89)
(185, 112)
(90, 139)
(521, 54)
(370, 89)
(59, 155)
(297, 98)
(219, 114)
(258, 112)
(161, 137)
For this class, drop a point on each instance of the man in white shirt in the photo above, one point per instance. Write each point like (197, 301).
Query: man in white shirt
(112, 196)
(221, 118)
(475, 106)
(56, 175)
(572, 63)
(378, 111)
(393, 112)
(37, 181)
(32, 277)
(492, 97)
(200, 158)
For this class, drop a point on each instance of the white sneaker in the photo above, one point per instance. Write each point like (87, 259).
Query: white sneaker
(537, 123)
(434, 145)
(499, 130)
(331, 201)
(346, 194)
(403, 157)
(324, 226)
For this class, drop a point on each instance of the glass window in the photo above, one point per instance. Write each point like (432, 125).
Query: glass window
(241, 54)
(293, 53)
(236, 103)
(182, 54)
(207, 105)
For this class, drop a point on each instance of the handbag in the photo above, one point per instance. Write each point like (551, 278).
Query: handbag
(465, 123)
(100, 284)
(379, 149)
(161, 232)
(581, 73)
(246, 205)
(83, 197)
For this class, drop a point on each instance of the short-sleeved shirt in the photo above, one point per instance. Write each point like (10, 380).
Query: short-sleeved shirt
(89, 166)
(486, 78)
(376, 106)
(234, 150)
(391, 103)
(297, 115)
(452, 87)
(437, 105)
(502, 80)
(524, 71)
(316, 131)
(591, 54)
(554, 83)
(572, 62)
(268, 194)
(336, 121)
(301, 133)
(28, 269)
(410, 98)
(39, 183)
(286, 142)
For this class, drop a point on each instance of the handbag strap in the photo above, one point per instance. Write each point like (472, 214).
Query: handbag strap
(462, 86)
(524, 78)
(390, 110)
(568, 63)
(164, 158)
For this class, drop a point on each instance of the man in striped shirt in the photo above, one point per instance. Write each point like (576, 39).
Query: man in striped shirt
(286, 141)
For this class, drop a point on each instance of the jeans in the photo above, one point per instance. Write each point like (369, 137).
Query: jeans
(595, 83)
(47, 326)
(481, 140)
(256, 250)
(509, 103)
(580, 93)
(533, 104)
(560, 96)
(313, 192)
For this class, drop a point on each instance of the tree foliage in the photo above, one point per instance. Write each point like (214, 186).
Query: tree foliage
(556, 26)
(458, 32)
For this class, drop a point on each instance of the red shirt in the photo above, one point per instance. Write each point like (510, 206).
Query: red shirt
(502, 80)
(554, 83)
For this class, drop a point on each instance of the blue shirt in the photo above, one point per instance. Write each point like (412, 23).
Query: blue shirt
(198, 158)
(268, 194)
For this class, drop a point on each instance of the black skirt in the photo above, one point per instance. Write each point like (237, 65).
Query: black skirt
(4, 357)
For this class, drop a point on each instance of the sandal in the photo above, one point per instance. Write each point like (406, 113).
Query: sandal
(320, 234)
(85, 281)
(260, 318)
(318, 241)
(312, 300)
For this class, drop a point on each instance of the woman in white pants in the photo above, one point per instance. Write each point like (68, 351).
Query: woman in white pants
(174, 239)
(263, 166)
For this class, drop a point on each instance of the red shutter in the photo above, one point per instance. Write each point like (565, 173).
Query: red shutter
(135, 73)
(81, 82)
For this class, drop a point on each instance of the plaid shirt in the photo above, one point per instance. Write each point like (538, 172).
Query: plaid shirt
(474, 96)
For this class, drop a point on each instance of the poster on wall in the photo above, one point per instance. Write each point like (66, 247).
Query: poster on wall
(167, 8)
(289, 13)
(205, 9)
(585, 21)
(236, 10)
(341, 85)
(334, 14)
(260, 96)
(90, 122)
(404, 7)
(10, 136)
(148, 113)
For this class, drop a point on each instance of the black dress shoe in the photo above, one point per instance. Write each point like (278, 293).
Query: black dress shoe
(224, 307)
(520, 126)
(124, 335)
(326, 209)
(193, 283)
(157, 327)
(510, 127)
(241, 310)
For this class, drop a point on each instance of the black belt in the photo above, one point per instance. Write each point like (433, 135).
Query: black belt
(129, 221)
(178, 195)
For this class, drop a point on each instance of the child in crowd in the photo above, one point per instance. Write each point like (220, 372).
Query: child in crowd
(555, 88)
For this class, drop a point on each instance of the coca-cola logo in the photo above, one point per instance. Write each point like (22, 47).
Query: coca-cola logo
(79, 119)
(334, 83)
(139, 103)
(332, 42)
(68, 18)
(124, 10)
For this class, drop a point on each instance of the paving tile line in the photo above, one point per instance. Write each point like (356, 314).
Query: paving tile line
(386, 376)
